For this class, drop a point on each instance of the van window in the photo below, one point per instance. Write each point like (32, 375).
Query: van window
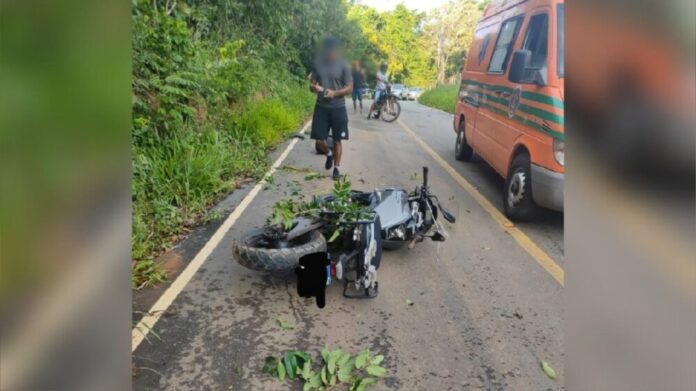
(484, 47)
(503, 44)
(536, 40)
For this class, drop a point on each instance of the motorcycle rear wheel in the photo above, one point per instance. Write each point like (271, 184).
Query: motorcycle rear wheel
(250, 251)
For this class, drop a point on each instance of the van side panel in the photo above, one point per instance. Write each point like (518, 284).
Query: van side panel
(507, 111)
(469, 100)
(495, 132)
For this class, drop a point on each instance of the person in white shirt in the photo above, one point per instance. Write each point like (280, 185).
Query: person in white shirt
(380, 87)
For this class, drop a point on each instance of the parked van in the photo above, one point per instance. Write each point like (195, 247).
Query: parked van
(510, 107)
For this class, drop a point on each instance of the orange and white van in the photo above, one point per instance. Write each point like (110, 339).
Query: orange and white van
(510, 109)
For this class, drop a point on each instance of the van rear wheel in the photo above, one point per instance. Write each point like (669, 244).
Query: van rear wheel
(518, 203)
(462, 150)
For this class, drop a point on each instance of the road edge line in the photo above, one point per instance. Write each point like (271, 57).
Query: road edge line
(145, 325)
(539, 255)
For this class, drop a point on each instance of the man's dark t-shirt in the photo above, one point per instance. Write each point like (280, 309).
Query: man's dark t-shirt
(358, 79)
(334, 76)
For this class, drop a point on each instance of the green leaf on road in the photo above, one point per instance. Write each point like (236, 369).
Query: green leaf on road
(312, 176)
(376, 370)
(307, 370)
(409, 302)
(361, 384)
(548, 370)
(344, 373)
(333, 359)
(290, 362)
(324, 376)
(281, 370)
(377, 359)
(344, 360)
(361, 360)
(285, 325)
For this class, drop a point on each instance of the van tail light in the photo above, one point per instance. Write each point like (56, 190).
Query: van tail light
(559, 151)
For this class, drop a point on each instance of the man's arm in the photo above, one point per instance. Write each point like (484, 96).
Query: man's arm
(342, 92)
(313, 82)
(348, 87)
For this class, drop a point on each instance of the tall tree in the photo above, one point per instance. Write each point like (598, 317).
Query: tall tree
(450, 29)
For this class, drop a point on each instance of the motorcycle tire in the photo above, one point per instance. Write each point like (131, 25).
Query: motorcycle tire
(248, 252)
(391, 117)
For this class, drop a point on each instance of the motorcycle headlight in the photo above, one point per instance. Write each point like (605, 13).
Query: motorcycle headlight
(559, 151)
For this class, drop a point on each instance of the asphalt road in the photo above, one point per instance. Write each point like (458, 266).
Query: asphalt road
(485, 312)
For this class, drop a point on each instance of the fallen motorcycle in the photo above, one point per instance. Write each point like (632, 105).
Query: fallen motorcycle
(358, 225)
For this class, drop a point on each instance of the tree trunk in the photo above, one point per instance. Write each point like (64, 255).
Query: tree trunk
(441, 56)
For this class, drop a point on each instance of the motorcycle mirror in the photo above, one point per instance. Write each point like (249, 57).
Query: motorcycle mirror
(447, 214)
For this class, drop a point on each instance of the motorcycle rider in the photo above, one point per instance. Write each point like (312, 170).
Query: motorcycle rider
(380, 87)
(331, 79)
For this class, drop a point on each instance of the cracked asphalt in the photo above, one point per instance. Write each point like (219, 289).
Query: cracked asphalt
(484, 314)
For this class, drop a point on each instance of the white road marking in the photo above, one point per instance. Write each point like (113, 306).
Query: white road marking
(155, 313)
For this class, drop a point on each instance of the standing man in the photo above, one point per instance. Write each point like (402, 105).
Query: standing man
(380, 87)
(358, 85)
(331, 80)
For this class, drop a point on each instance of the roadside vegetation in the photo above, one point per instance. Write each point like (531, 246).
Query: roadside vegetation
(217, 84)
(443, 97)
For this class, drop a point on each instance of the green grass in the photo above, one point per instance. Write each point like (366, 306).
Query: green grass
(177, 179)
(443, 97)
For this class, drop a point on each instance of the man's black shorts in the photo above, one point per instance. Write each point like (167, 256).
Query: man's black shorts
(326, 118)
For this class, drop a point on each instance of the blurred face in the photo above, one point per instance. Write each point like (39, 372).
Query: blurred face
(356, 65)
(332, 54)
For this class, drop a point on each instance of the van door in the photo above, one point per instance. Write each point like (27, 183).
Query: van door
(493, 127)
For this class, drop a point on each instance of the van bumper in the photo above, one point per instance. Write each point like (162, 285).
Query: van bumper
(547, 188)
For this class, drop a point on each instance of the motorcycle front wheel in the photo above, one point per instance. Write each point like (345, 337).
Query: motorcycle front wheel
(254, 252)
(391, 110)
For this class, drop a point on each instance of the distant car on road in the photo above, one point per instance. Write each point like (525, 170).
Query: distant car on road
(399, 90)
(414, 93)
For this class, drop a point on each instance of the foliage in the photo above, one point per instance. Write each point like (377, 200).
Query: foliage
(211, 93)
(342, 209)
(336, 212)
(396, 35)
(548, 370)
(284, 324)
(450, 29)
(336, 367)
(420, 49)
(443, 97)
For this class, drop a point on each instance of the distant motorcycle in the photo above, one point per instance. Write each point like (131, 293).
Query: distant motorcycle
(388, 107)
(389, 217)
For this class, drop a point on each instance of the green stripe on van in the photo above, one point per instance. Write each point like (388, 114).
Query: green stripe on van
(545, 99)
(532, 124)
(557, 135)
(536, 97)
(543, 114)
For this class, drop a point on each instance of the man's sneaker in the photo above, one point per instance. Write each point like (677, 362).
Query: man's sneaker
(336, 174)
(329, 162)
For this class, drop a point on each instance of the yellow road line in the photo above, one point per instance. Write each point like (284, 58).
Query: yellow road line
(539, 255)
